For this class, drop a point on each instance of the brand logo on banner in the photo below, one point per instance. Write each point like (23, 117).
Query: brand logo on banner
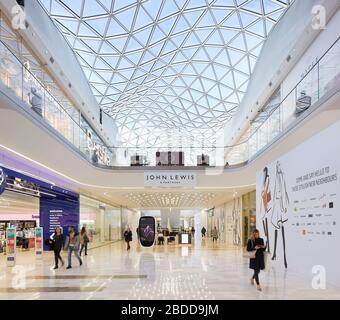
(2, 181)
(170, 179)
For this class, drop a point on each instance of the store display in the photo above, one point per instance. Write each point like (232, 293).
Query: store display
(147, 231)
(38, 242)
(11, 246)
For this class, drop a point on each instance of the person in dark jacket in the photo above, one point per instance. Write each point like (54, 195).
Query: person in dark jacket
(58, 243)
(257, 264)
(128, 237)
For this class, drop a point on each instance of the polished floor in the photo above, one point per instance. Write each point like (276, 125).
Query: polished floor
(203, 271)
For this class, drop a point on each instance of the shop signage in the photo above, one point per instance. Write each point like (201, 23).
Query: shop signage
(2, 181)
(170, 179)
(38, 242)
(11, 246)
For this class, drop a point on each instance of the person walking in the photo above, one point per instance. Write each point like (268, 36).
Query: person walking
(128, 237)
(84, 240)
(255, 243)
(203, 231)
(72, 245)
(58, 242)
(215, 234)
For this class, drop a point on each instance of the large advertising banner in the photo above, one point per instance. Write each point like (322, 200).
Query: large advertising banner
(298, 201)
(60, 213)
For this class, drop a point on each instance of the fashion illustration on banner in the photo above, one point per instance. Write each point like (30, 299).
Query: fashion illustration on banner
(236, 223)
(279, 210)
(265, 204)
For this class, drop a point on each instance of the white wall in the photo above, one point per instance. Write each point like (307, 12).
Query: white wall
(312, 231)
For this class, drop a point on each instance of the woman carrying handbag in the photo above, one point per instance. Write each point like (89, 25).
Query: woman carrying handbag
(255, 249)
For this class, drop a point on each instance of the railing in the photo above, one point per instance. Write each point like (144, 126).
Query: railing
(323, 76)
(319, 80)
(35, 94)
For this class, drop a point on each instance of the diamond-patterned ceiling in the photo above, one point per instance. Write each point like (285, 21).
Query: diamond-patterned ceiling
(167, 68)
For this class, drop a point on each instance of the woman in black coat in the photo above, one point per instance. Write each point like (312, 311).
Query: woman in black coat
(128, 237)
(257, 264)
(58, 243)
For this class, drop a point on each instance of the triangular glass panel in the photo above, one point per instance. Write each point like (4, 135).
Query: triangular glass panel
(126, 17)
(208, 84)
(228, 81)
(207, 20)
(75, 6)
(252, 41)
(215, 39)
(181, 25)
(92, 8)
(106, 3)
(143, 35)
(143, 19)
(220, 14)
(100, 64)
(197, 85)
(111, 60)
(59, 10)
(239, 78)
(235, 56)
(220, 71)
(271, 6)
(106, 49)
(115, 29)
(258, 28)
(105, 75)
(167, 25)
(254, 6)
(118, 4)
(133, 45)
(232, 21)
(98, 24)
(118, 43)
(152, 7)
(93, 44)
(192, 16)
(243, 65)
(89, 58)
(196, 4)
(238, 43)
(224, 3)
(201, 55)
(71, 25)
(157, 35)
(247, 18)
(169, 8)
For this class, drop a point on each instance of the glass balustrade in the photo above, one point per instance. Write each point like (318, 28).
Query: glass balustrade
(323, 77)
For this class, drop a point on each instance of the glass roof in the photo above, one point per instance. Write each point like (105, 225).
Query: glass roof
(170, 69)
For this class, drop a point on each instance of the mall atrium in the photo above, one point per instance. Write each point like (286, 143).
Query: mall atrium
(187, 148)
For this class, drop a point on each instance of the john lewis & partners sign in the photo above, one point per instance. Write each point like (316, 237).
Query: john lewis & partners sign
(170, 179)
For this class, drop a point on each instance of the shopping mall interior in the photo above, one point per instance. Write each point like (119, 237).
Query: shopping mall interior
(216, 121)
